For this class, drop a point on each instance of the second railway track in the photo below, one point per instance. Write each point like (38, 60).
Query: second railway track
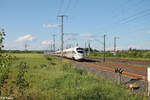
(130, 71)
(126, 72)
(123, 61)
(106, 70)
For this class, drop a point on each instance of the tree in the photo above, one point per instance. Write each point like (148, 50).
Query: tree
(2, 34)
(5, 61)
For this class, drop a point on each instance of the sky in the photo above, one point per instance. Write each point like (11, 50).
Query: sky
(34, 22)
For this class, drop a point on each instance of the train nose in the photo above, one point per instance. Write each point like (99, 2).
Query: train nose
(81, 55)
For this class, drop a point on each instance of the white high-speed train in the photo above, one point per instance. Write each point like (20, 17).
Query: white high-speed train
(76, 53)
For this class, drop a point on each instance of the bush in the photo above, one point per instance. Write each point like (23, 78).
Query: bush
(147, 54)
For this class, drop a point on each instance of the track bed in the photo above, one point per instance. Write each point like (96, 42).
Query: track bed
(142, 63)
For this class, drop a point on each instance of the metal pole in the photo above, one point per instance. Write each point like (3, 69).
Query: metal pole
(148, 81)
(26, 46)
(114, 44)
(89, 49)
(85, 45)
(62, 34)
(51, 47)
(54, 42)
(104, 47)
(77, 44)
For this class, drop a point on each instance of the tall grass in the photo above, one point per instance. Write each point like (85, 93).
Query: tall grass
(49, 80)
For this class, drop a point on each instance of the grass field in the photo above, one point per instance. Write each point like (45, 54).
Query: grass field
(129, 58)
(49, 80)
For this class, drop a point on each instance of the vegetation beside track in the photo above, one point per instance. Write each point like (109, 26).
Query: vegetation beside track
(46, 79)
(134, 54)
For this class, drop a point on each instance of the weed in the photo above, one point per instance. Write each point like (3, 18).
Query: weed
(21, 82)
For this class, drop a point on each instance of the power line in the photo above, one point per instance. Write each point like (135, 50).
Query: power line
(134, 3)
(127, 9)
(123, 5)
(139, 5)
(76, 3)
(98, 41)
(68, 6)
(54, 42)
(115, 39)
(26, 46)
(104, 47)
(89, 48)
(135, 15)
(60, 7)
(85, 44)
(136, 18)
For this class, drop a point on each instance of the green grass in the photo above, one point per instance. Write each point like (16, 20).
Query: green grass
(49, 80)
(125, 58)
(32, 59)
(124, 63)
(129, 58)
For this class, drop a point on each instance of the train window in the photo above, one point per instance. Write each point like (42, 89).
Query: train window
(80, 51)
(67, 52)
(73, 52)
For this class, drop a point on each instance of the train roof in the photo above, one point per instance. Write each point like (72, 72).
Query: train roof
(69, 49)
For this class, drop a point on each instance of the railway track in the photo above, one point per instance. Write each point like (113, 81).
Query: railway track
(143, 63)
(131, 74)
(126, 72)
(130, 71)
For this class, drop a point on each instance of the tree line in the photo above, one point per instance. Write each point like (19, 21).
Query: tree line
(130, 53)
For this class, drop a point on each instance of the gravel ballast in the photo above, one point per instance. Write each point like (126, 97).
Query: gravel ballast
(112, 76)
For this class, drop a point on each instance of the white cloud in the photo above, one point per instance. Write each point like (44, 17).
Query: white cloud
(47, 42)
(27, 37)
(86, 35)
(50, 25)
(148, 32)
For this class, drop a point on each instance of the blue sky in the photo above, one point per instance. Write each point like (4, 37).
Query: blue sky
(35, 21)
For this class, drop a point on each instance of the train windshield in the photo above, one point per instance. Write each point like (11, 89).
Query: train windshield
(80, 50)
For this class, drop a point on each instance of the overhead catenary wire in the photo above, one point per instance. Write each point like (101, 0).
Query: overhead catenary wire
(125, 5)
(129, 17)
(98, 41)
(76, 3)
(135, 15)
(133, 19)
(60, 7)
(67, 7)
(137, 3)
